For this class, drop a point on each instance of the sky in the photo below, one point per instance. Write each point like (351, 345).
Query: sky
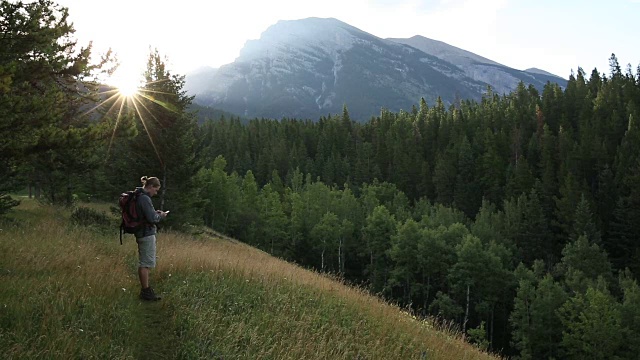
(554, 35)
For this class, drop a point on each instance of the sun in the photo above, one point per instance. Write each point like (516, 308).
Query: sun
(128, 89)
(126, 81)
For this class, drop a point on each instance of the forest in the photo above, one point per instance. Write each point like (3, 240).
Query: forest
(515, 219)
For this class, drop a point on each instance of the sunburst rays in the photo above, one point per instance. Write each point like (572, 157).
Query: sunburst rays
(118, 101)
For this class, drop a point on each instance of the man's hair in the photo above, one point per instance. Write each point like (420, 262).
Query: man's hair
(150, 181)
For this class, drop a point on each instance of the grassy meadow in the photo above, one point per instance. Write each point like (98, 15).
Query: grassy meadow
(69, 291)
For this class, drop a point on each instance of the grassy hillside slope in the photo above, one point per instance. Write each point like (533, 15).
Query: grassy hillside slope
(69, 291)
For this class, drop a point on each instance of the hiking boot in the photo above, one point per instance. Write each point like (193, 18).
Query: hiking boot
(148, 295)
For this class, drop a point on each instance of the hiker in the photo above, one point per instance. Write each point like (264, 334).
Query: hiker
(146, 236)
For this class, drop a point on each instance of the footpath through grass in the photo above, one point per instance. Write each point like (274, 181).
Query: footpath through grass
(70, 292)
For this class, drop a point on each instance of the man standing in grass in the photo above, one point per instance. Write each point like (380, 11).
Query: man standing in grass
(146, 236)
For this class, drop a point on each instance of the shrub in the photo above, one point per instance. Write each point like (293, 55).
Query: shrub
(84, 216)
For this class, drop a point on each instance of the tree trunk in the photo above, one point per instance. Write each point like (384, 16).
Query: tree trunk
(164, 186)
(491, 329)
(69, 195)
(340, 265)
(322, 259)
(407, 291)
(466, 315)
(426, 299)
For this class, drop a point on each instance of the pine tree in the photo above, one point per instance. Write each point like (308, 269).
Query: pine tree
(583, 223)
(527, 227)
(465, 193)
(444, 177)
(45, 80)
(165, 146)
(493, 170)
(583, 263)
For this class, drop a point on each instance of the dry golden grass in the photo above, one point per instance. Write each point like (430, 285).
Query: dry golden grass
(70, 293)
(209, 254)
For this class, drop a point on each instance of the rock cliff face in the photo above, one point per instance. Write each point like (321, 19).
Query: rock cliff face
(502, 79)
(310, 68)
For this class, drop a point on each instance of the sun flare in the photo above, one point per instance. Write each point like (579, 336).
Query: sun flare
(127, 87)
(127, 83)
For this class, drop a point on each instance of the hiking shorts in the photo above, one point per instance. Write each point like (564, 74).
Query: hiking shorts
(147, 251)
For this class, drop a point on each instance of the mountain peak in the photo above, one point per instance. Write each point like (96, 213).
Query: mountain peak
(309, 34)
(311, 67)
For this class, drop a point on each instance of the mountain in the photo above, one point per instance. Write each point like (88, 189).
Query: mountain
(198, 80)
(309, 68)
(539, 71)
(502, 79)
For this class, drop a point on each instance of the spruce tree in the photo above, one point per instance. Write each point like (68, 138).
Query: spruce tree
(45, 80)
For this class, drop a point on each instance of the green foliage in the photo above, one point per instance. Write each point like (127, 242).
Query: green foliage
(583, 223)
(406, 257)
(445, 306)
(526, 226)
(432, 208)
(45, 80)
(592, 326)
(537, 327)
(85, 216)
(379, 227)
(325, 235)
(6, 203)
(478, 336)
(273, 221)
(630, 312)
(584, 263)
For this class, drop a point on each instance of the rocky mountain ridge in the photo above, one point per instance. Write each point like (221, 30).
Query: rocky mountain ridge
(310, 68)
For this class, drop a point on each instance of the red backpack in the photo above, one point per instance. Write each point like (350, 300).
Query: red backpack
(132, 221)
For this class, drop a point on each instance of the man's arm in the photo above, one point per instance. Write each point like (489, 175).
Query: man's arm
(148, 211)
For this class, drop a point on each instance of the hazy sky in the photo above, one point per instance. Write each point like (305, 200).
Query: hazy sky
(554, 35)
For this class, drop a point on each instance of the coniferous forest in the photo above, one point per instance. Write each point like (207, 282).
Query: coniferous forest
(516, 218)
